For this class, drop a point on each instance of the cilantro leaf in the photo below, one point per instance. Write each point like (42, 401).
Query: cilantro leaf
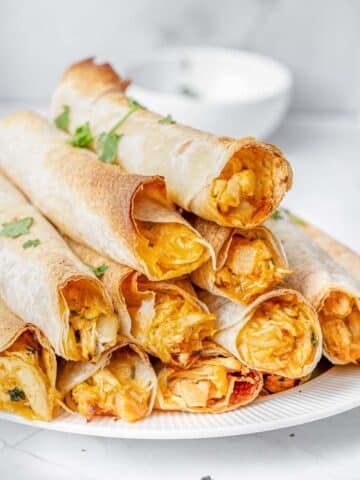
(82, 137)
(294, 218)
(107, 146)
(31, 243)
(62, 121)
(168, 120)
(277, 215)
(16, 394)
(313, 339)
(100, 270)
(17, 228)
(133, 104)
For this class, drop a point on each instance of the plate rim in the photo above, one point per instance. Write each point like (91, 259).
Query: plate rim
(65, 425)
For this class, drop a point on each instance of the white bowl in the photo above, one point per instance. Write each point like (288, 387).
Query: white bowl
(227, 92)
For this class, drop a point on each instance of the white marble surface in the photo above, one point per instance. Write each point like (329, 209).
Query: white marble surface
(325, 154)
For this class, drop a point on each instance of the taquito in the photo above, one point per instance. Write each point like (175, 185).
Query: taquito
(27, 369)
(344, 256)
(248, 262)
(45, 284)
(125, 217)
(122, 384)
(329, 288)
(216, 382)
(166, 319)
(232, 182)
(278, 333)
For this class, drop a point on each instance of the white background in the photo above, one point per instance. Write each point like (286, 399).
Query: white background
(319, 40)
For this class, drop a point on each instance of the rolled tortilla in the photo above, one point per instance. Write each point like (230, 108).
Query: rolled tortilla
(48, 286)
(232, 182)
(122, 384)
(125, 217)
(216, 382)
(166, 319)
(344, 256)
(248, 262)
(278, 333)
(329, 288)
(27, 369)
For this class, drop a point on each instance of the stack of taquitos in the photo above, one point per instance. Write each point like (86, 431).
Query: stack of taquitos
(210, 348)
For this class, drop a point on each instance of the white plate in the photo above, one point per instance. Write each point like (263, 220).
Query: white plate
(333, 392)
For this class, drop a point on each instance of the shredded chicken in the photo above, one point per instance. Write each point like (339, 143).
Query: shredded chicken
(251, 268)
(243, 187)
(340, 322)
(211, 382)
(174, 329)
(281, 337)
(25, 386)
(171, 248)
(115, 390)
(93, 326)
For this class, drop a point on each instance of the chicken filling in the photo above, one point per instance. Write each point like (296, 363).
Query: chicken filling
(244, 188)
(93, 326)
(340, 323)
(169, 325)
(171, 249)
(209, 383)
(116, 390)
(251, 268)
(281, 337)
(25, 379)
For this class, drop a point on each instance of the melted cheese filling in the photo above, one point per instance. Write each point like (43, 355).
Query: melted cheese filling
(114, 390)
(279, 338)
(251, 268)
(174, 328)
(170, 249)
(244, 188)
(92, 325)
(25, 386)
(208, 383)
(340, 323)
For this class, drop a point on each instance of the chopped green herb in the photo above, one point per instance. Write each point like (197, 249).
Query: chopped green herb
(168, 120)
(108, 142)
(31, 243)
(62, 120)
(313, 338)
(133, 104)
(16, 394)
(82, 137)
(100, 270)
(17, 228)
(132, 372)
(294, 218)
(189, 92)
(292, 435)
(107, 146)
(277, 215)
